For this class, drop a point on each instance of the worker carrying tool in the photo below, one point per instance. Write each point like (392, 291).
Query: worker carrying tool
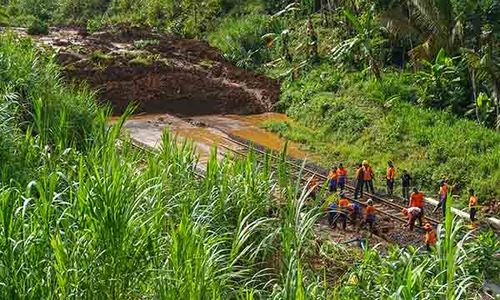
(332, 179)
(391, 172)
(472, 206)
(430, 236)
(341, 177)
(443, 195)
(412, 213)
(405, 184)
(359, 182)
(368, 177)
(369, 214)
(417, 200)
(344, 207)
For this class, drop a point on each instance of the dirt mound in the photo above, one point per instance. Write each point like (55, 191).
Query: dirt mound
(160, 73)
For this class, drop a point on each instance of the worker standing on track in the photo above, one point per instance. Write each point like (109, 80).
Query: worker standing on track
(472, 206)
(368, 177)
(430, 236)
(332, 179)
(344, 207)
(359, 182)
(391, 172)
(417, 200)
(405, 184)
(370, 214)
(443, 195)
(341, 177)
(412, 213)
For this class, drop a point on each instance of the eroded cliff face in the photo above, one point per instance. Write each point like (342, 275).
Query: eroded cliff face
(160, 73)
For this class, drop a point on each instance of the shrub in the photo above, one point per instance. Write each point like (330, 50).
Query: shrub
(38, 27)
(240, 39)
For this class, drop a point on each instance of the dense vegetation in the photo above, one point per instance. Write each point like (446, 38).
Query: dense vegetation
(409, 73)
(83, 218)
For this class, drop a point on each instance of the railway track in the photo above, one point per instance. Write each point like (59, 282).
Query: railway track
(385, 207)
(148, 149)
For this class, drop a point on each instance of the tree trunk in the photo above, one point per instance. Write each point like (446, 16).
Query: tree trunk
(474, 94)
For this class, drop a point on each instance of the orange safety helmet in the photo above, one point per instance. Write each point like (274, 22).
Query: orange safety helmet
(428, 226)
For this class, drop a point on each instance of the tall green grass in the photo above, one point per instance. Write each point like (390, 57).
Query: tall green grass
(86, 215)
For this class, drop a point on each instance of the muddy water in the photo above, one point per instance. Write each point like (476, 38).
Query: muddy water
(213, 130)
(249, 127)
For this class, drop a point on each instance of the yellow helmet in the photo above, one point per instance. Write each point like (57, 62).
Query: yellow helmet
(365, 162)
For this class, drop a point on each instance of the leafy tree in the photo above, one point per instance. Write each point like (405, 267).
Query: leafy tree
(440, 84)
(367, 40)
(484, 66)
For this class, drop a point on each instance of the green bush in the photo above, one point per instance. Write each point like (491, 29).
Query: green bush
(38, 27)
(240, 39)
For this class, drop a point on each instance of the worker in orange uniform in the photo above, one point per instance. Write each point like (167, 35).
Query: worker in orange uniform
(430, 236)
(370, 214)
(391, 172)
(368, 177)
(412, 213)
(359, 182)
(344, 207)
(341, 177)
(472, 206)
(417, 200)
(332, 179)
(311, 186)
(443, 195)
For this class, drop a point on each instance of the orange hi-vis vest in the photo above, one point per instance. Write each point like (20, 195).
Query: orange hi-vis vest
(430, 237)
(370, 210)
(332, 175)
(341, 172)
(391, 171)
(472, 201)
(443, 190)
(417, 200)
(368, 173)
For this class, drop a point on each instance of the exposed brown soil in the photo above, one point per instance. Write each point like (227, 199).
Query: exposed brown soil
(160, 73)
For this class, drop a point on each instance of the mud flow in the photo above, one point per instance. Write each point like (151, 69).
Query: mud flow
(212, 130)
(159, 73)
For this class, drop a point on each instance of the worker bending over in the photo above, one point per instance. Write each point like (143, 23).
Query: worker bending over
(370, 214)
(312, 186)
(391, 172)
(412, 213)
(430, 236)
(417, 200)
(344, 207)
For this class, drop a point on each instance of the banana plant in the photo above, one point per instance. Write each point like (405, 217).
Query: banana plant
(367, 40)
